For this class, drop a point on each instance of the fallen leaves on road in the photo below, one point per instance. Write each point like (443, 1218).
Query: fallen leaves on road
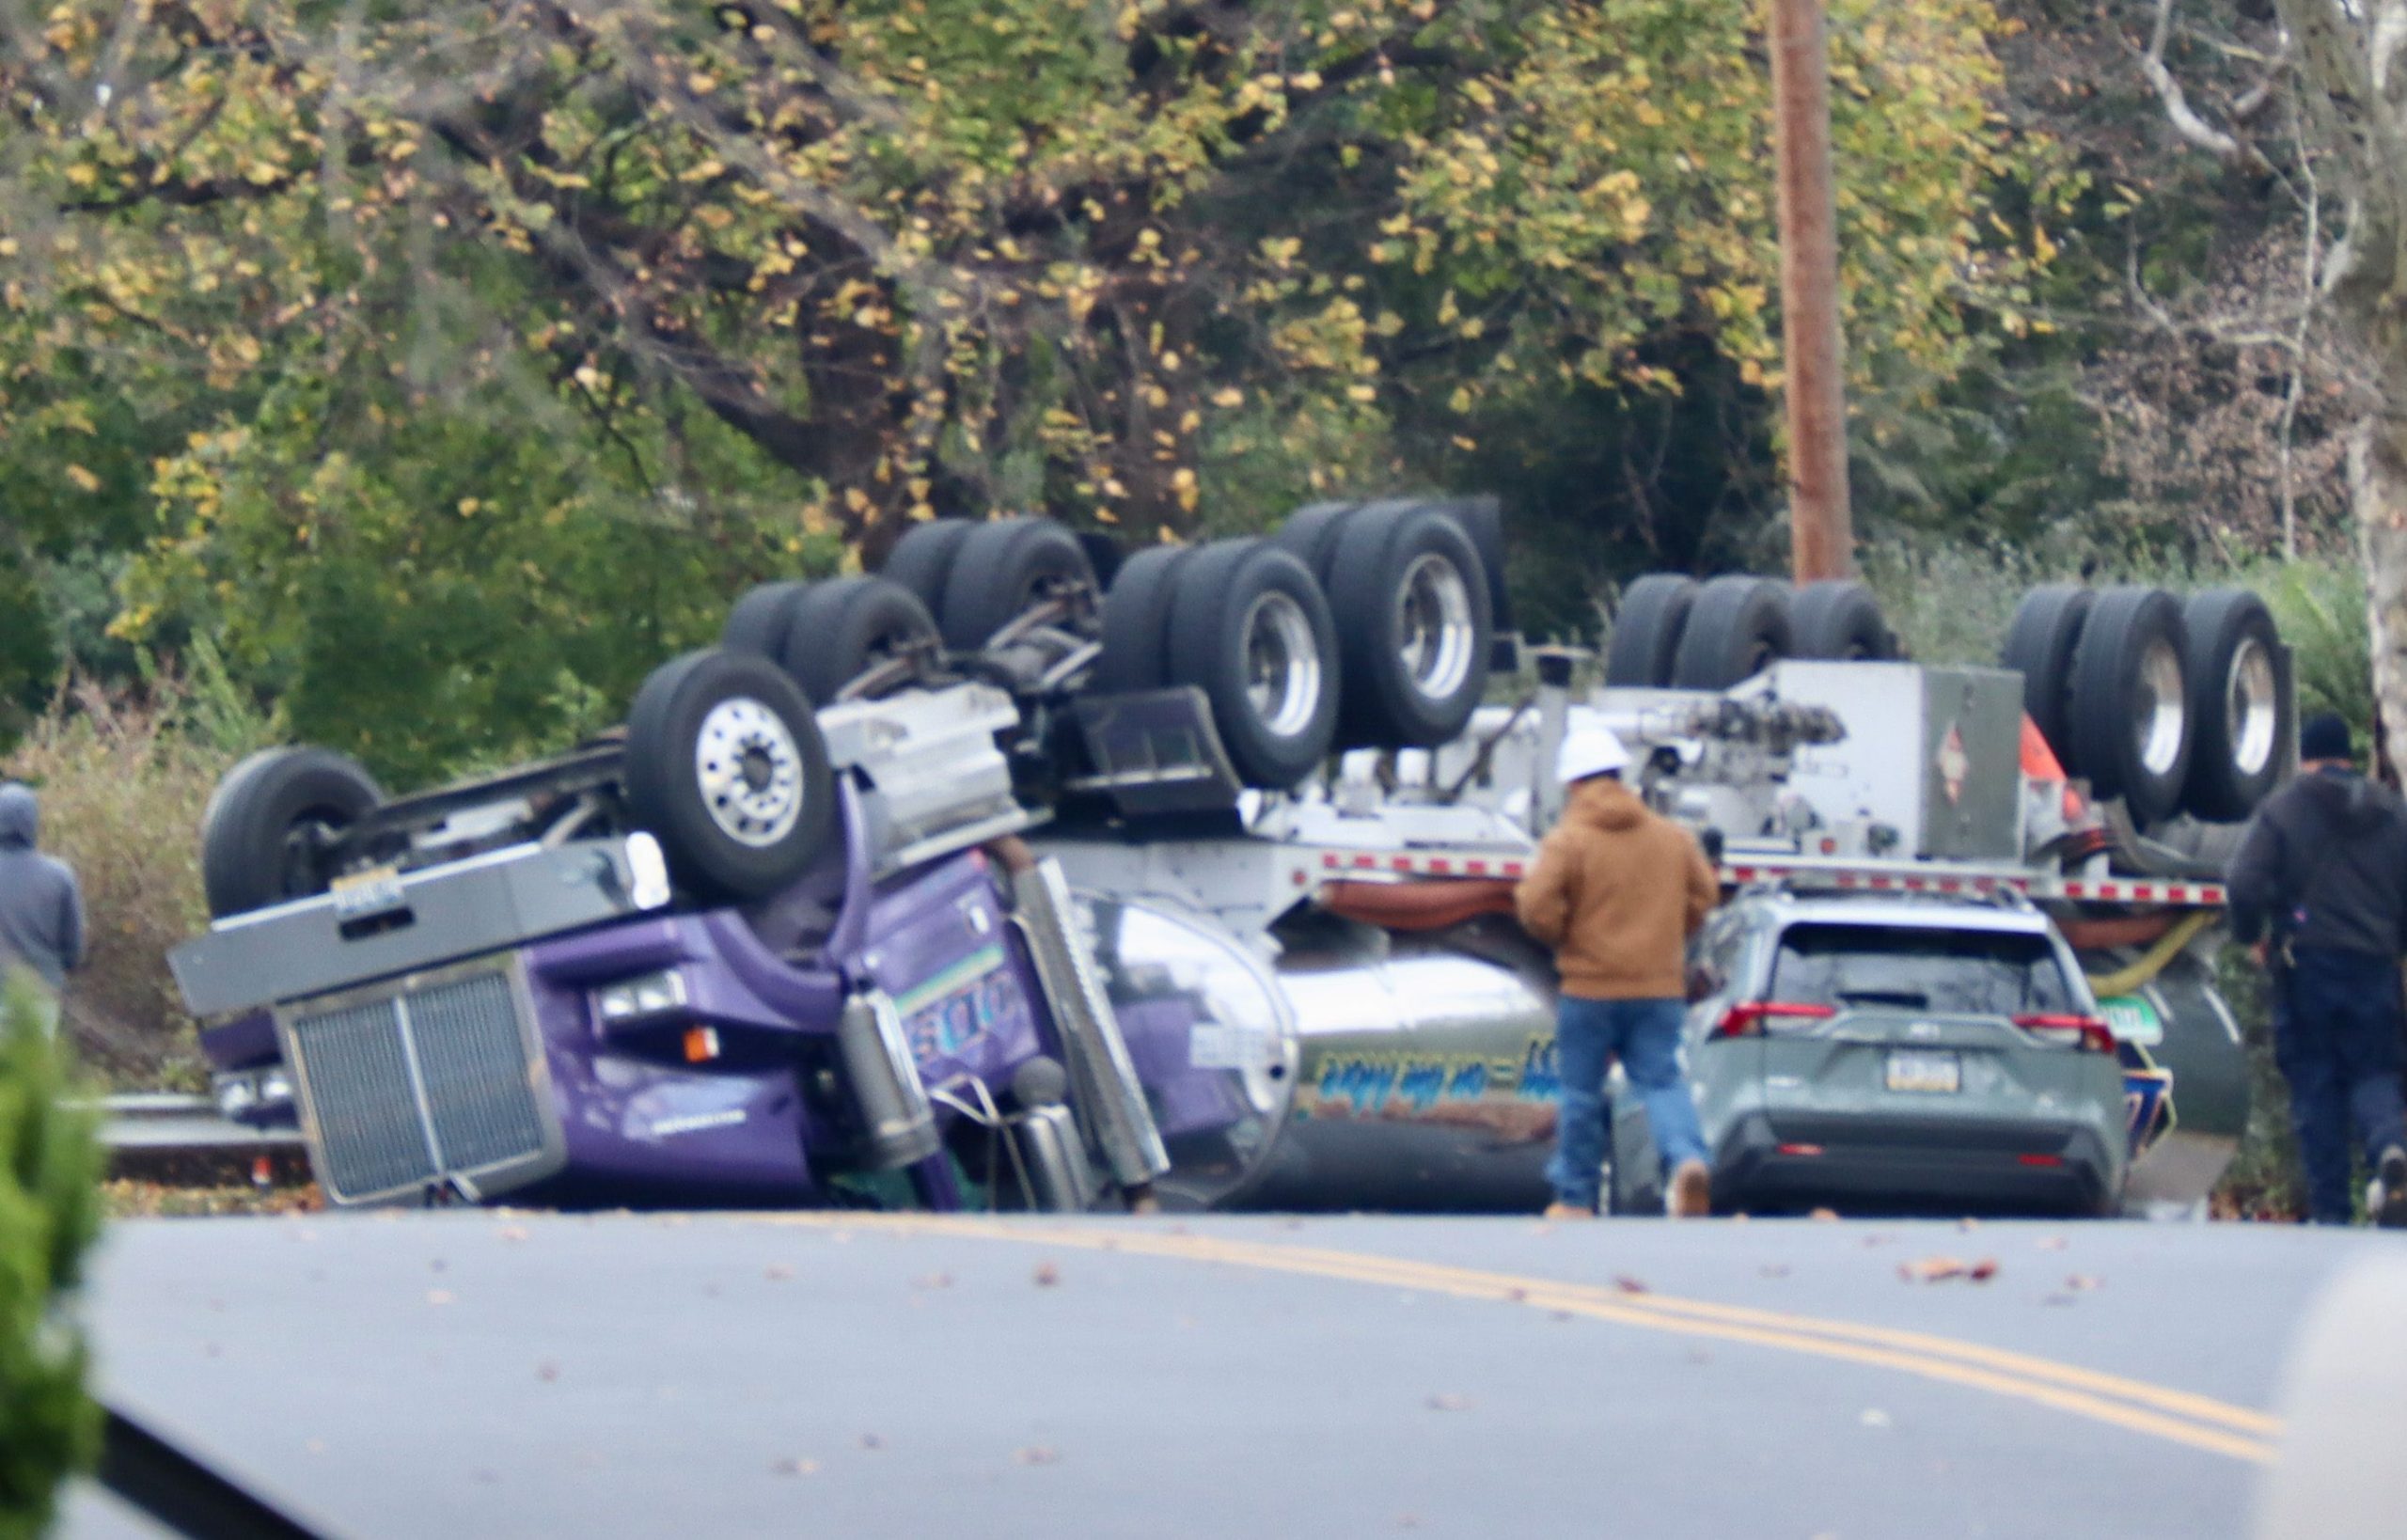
(1046, 1275)
(870, 1440)
(1773, 1269)
(547, 1371)
(1448, 1401)
(1824, 1216)
(127, 1198)
(1939, 1269)
(1037, 1454)
(1628, 1285)
(777, 1272)
(2084, 1283)
(2051, 1243)
(512, 1232)
(794, 1467)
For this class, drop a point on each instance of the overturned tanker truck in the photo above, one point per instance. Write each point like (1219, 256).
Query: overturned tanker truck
(1026, 875)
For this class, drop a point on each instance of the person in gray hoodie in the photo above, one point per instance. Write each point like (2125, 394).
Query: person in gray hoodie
(42, 907)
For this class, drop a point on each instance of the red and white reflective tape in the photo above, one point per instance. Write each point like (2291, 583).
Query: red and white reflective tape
(1407, 863)
(2102, 891)
(1419, 864)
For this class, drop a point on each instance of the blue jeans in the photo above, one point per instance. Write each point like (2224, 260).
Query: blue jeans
(2336, 1037)
(1647, 1036)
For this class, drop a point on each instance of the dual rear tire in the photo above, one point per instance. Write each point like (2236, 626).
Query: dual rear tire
(826, 635)
(2171, 706)
(1357, 625)
(1243, 622)
(1672, 632)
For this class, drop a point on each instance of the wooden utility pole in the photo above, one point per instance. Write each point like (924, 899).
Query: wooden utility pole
(1822, 538)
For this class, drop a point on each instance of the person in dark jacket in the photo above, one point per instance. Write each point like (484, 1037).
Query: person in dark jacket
(41, 909)
(2318, 893)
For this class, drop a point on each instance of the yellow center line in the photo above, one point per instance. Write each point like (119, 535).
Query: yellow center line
(2183, 1403)
(2136, 1406)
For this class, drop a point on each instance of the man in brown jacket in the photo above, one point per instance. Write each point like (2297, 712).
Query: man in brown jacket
(1618, 891)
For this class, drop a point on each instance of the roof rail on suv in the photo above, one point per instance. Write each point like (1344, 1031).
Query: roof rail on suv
(1810, 885)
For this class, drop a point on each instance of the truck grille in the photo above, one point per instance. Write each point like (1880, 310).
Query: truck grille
(436, 1080)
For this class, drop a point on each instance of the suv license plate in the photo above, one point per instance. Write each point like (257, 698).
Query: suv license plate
(1924, 1071)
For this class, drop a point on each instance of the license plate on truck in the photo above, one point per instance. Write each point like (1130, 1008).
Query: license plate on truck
(1923, 1070)
(364, 894)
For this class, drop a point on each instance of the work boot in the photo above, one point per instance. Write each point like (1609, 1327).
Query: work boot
(1691, 1194)
(1569, 1211)
(2390, 1208)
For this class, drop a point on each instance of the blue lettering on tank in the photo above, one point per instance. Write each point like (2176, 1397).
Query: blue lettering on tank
(1421, 1084)
(1540, 1082)
(1362, 1082)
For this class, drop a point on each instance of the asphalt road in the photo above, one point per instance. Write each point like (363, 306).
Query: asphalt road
(492, 1374)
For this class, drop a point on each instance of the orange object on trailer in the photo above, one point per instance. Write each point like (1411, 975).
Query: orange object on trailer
(2040, 763)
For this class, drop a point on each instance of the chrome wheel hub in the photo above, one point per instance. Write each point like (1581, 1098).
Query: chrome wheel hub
(1434, 629)
(2250, 707)
(750, 771)
(1283, 676)
(2158, 710)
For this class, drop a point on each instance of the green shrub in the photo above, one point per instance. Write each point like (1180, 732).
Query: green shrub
(49, 1213)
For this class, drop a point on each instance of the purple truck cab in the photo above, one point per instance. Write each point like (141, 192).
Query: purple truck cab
(697, 1058)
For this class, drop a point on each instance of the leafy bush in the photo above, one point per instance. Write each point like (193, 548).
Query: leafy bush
(123, 777)
(49, 1214)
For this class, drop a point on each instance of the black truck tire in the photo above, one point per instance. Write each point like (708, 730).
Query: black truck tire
(1483, 520)
(725, 767)
(1002, 570)
(2039, 645)
(2239, 706)
(758, 622)
(2130, 721)
(249, 858)
(1414, 629)
(1839, 619)
(1646, 630)
(1136, 621)
(843, 628)
(1737, 627)
(922, 559)
(1310, 534)
(1249, 627)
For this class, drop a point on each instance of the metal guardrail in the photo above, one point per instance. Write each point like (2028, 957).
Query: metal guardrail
(169, 1122)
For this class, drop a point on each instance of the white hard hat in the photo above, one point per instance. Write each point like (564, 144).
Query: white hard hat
(1589, 751)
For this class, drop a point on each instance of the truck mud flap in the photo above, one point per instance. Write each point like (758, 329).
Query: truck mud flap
(1103, 1078)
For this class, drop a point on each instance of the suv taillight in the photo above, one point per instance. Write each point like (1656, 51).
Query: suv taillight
(2089, 1033)
(1761, 1016)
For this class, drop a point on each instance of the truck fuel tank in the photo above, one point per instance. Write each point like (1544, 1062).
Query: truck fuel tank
(1363, 1070)
(1426, 1071)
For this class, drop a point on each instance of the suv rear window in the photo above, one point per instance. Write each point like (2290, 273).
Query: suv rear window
(2000, 973)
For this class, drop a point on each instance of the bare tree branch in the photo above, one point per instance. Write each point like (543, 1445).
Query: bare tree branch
(2184, 118)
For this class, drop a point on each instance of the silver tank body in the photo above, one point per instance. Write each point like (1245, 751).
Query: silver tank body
(1425, 1073)
(1363, 1070)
